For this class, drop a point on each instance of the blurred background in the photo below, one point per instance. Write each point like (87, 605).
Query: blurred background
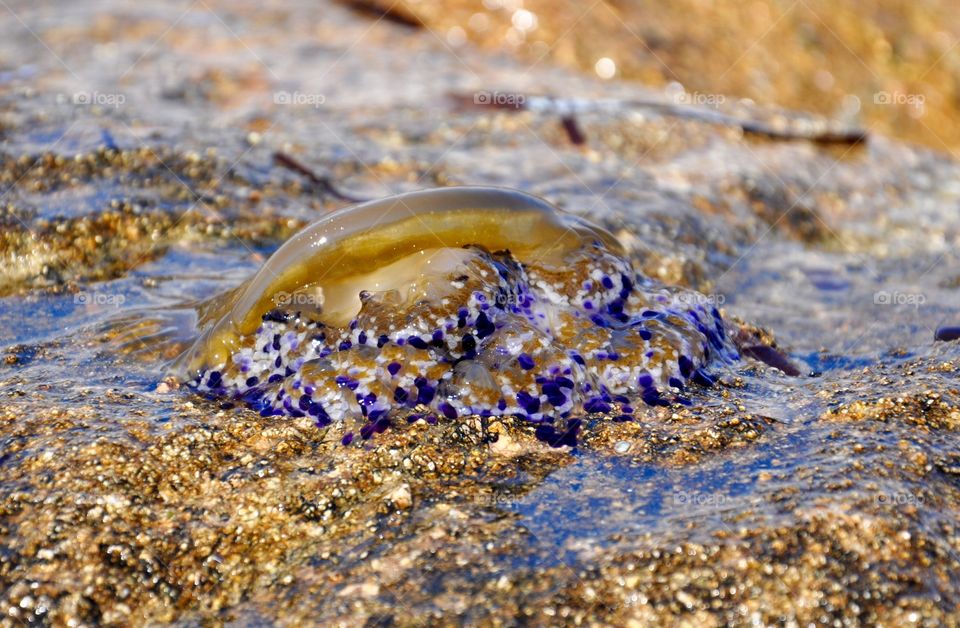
(892, 64)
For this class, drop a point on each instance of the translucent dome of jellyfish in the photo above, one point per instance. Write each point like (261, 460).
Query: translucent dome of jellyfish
(454, 302)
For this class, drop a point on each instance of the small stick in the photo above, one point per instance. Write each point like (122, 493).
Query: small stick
(574, 132)
(771, 357)
(822, 133)
(947, 334)
(323, 183)
(384, 10)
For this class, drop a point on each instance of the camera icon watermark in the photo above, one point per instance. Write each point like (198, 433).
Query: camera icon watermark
(100, 299)
(698, 99)
(98, 99)
(701, 499)
(884, 297)
(900, 99)
(695, 299)
(297, 98)
(503, 500)
(900, 498)
(297, 299)
(499, 99)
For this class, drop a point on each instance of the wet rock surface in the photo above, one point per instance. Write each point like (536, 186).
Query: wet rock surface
(140, 176)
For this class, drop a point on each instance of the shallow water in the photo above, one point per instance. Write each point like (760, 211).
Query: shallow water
(828, 496)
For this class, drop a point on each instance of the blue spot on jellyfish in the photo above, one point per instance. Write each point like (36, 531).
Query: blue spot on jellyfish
(449, 303)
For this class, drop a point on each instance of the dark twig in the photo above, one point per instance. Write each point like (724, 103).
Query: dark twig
(821, 132)
(574, 132)
(771, 357)
(323, 184)
(382, 9)
(947, 334)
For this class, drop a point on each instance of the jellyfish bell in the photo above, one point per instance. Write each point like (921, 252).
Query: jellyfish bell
(456, 301)
(382, 245)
